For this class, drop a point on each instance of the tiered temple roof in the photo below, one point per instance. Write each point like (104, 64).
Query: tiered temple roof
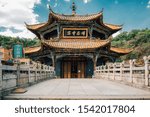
(121, 51)
(75, 43)
(74, 18)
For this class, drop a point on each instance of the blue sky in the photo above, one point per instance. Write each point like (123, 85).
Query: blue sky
(133, 14)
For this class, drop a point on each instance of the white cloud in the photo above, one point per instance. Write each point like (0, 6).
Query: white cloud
(67, 0)
(55, 5)
(13, 15)
(116, 2)
(47, 6)
(116, 34)
(86, 1)
(148, 5)
(25, 33)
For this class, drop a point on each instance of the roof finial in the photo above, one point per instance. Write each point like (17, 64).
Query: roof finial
(73, 8)
(50, 9)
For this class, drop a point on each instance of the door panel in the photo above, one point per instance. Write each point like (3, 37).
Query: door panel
(79, 69)
(65, 69)
(73, 68)
(82, 70)
(69, 69)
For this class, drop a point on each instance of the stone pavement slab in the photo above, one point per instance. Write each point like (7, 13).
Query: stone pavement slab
(81, 89)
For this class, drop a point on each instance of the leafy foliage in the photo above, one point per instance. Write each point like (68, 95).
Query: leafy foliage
(8, 42)
(139, 40)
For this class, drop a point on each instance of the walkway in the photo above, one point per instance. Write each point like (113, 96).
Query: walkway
(81, 89)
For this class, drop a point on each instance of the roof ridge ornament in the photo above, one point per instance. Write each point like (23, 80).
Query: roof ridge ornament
(73, 7)
(102, 10)
(50, 9)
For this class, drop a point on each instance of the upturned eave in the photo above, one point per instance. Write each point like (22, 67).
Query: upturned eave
(122, 51)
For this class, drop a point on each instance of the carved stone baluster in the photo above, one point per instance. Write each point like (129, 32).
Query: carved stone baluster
(121, 71)
(131, 70)
(114, 71)
(146, 70)
(29, 72)
(36, 72)
(0, 76)
(108, 72)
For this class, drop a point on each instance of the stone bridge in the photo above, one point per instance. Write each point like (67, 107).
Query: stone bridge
(22, 74)
(81, 89)
(112, 81)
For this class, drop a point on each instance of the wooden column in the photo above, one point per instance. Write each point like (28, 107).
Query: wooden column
(41, 37)
(53, 56)
(94, 62)
(54, 62)
(58, 31)
(95, 57)
(91, 32)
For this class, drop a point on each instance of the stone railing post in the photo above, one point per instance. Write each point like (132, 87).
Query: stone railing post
(95, 75)
(41, 72)
(36, 72)
(100, 70)
(114, 70)
(1, 76)
(45, 67)
(131, 70)
(108, 72)
(29, 73)
(121, 71)
(46, 72)
(146, 70)
(105, 70)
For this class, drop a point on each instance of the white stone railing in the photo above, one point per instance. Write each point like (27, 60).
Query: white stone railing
(21, 75)
(129, 73)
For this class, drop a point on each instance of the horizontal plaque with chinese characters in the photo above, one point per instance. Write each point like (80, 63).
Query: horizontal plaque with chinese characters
(75, 32)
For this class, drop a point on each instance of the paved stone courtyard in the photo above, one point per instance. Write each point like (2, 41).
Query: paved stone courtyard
(81, 89)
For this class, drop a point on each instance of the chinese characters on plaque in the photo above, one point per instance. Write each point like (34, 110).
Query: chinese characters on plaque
(75, 33)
